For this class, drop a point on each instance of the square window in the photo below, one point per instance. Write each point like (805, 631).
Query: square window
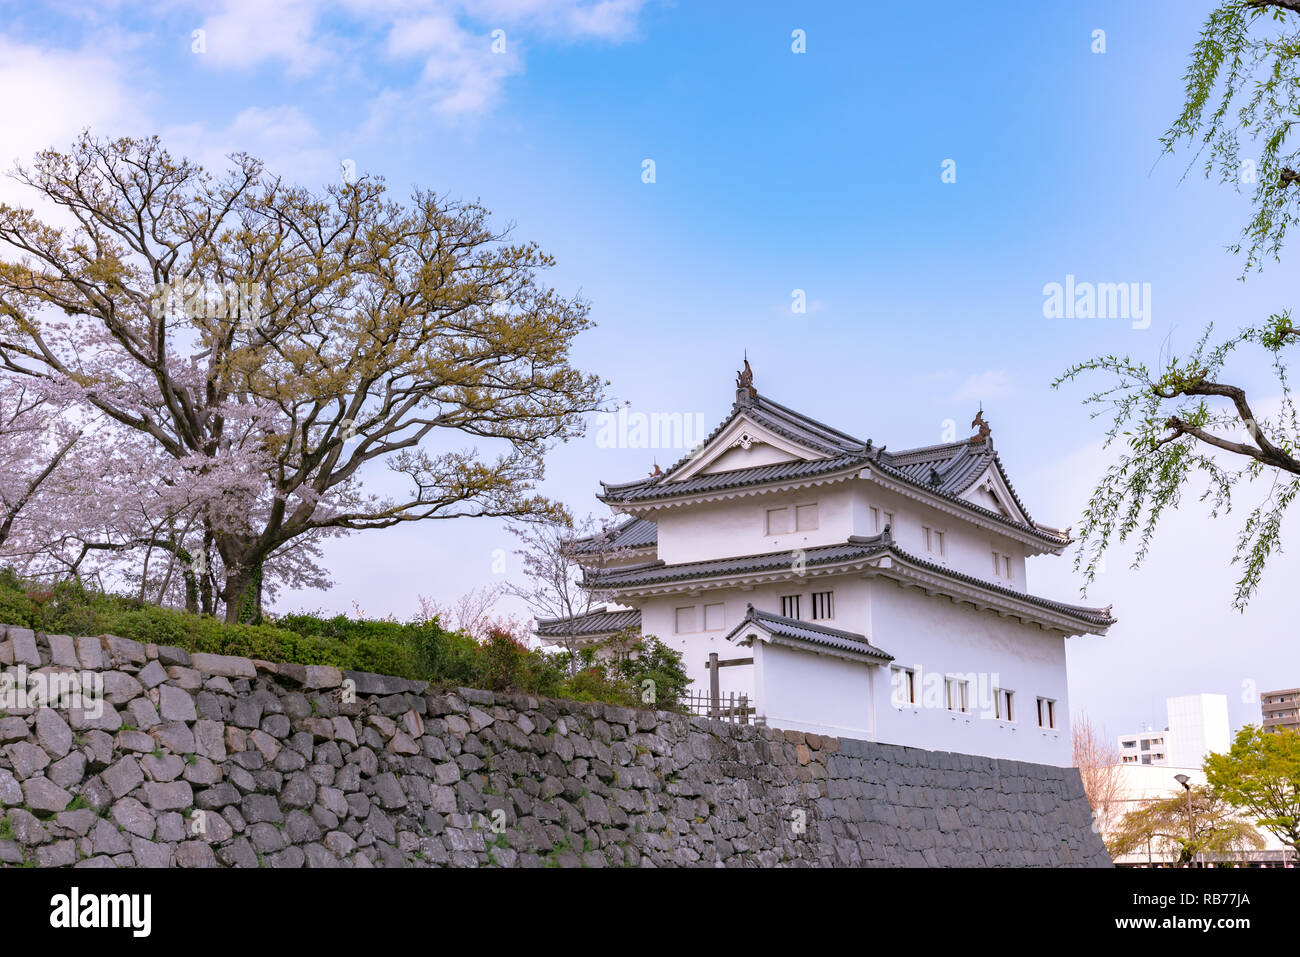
(790, 606)
(714, 617)
(684, 620)
(1002, 566)
(805, 517)
(778, 521)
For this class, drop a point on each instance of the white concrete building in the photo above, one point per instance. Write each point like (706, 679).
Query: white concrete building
(1148, 747)
(851, 590)
(1197, 724)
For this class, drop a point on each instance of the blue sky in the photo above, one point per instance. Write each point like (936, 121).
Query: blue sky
(775, 171)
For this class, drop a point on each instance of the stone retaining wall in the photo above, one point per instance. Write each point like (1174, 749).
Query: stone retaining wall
(203, 760)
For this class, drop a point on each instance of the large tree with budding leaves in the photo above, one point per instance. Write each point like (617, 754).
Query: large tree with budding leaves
(265, 346)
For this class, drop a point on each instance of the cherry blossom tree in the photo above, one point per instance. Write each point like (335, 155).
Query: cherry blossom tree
(560, 557)
(276, 345)
(35, 441)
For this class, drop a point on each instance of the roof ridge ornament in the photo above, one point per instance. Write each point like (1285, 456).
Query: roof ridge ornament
(745, 391)
(985, 430)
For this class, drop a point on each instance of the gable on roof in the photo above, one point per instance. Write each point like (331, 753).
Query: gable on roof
(743, 442)
(992, 491)
(968, 471)
(764, 443)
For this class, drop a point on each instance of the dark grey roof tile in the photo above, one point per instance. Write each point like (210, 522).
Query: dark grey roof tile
(809, 633)
(601, 622)
(633, 533)
(658, 573)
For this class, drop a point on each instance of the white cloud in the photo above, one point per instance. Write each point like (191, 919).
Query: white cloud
(283, 137)
(245, 33)
(573, 19)
(983, 385)
(462, 74)
(51, 95)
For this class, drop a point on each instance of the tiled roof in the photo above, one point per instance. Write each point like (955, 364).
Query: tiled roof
(1093, 616)
(737, 478)
(601, 622)
(658, 573)
(804, 632)
(784, 421)
(633, 533)
(946, 470)
(951, 469)
(801, 428)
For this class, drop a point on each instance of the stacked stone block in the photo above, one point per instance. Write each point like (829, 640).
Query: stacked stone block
(211, 761)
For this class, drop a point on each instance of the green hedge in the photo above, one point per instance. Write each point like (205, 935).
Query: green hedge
(422, 650)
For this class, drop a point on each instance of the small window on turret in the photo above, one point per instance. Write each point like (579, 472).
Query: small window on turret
(778, 521)
(823, 605)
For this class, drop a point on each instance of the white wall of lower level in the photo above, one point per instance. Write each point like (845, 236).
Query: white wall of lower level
(935, 636)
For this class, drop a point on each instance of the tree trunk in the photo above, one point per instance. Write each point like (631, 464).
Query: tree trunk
(206, 577)
(239, 580)
(243, 594)
(191, 590)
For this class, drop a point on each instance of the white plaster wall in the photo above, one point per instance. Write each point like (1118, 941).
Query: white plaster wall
(932, 635)
(802, 691)
(658, 617)
(936, 637)
(969, 547)
(739, 527)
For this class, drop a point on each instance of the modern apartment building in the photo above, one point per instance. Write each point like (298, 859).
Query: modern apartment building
(1281, 710)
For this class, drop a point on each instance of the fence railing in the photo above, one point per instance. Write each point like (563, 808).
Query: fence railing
(729, 707)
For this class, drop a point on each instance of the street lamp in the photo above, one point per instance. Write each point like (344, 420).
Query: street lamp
(1186, 782)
